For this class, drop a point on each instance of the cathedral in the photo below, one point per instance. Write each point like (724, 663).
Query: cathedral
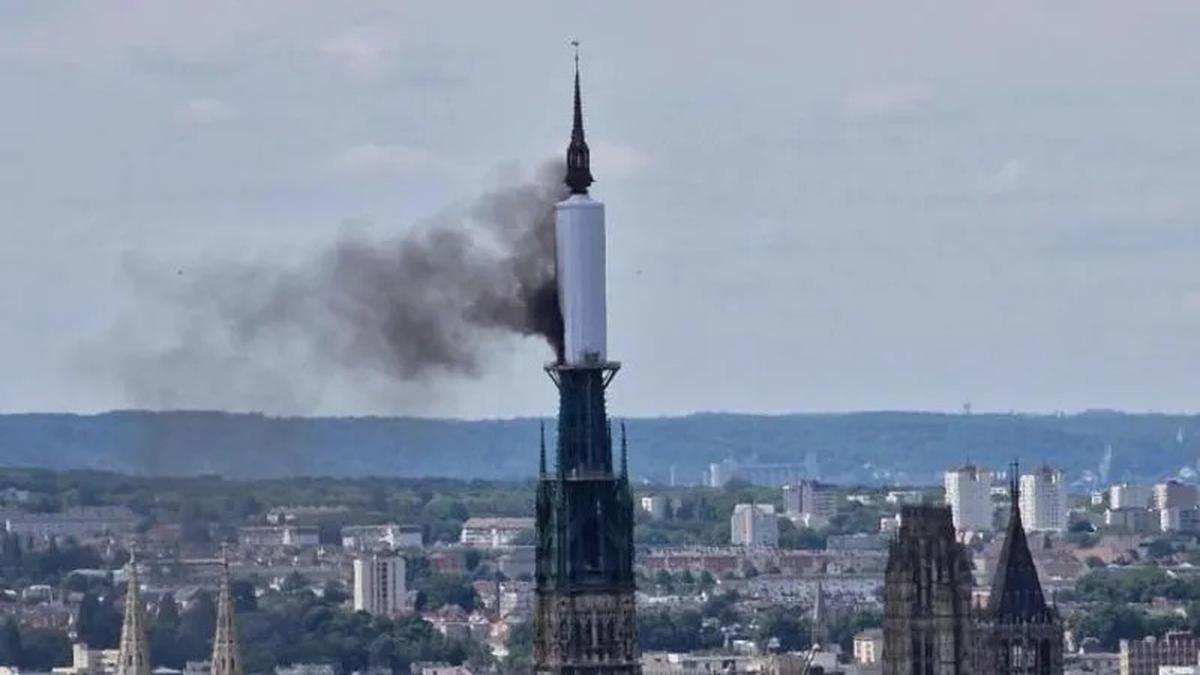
(932, 627)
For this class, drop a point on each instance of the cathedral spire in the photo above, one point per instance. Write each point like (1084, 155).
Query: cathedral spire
(1016, 591)
(579, 172)
(226, 657)
(133, 656)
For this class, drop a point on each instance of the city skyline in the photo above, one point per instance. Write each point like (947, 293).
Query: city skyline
(910, 218)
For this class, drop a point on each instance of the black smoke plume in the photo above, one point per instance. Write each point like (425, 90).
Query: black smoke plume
(431, 303)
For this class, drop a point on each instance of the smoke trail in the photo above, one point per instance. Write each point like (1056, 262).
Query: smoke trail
(419, 307)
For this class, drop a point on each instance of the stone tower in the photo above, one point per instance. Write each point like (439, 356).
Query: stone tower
(585, 619)
(132, 655)
(1019, 633)
(927, 622)
(226, 657)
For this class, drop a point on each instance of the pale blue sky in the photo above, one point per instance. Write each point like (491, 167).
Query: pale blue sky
(812, 205)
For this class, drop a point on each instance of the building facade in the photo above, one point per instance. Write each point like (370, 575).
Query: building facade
(379, 585)
(1043, 496)
(754, 525)
(811, 503)
(927, 597)
(1130, 496)
(969, 496)
(1145, 656)
(1175, 495)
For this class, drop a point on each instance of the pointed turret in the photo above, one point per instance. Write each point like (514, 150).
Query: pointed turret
(579, 171)
(820, 620)
(132, 655)
(226, 657)
(1016, 592)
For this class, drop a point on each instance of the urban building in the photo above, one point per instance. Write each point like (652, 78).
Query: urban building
(1132, 519)
(754, 525)
(77, 522)
(1129, 496)
(655, 505)
(494, 532)
(868, 647)
(810, 503)
(585, 619)
(901, 497)
(87, 661)
(1145, 656)
(969, 495)
(381, 537)
(1183, 521)
(379, 585)
(1174, 495)
(280, 536)
(1043, 504)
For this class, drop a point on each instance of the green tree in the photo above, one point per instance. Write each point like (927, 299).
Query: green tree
(11, 651)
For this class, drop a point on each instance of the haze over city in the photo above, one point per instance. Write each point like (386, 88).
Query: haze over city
(811, 206)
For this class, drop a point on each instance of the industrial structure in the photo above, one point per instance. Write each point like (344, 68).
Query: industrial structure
(585, 619)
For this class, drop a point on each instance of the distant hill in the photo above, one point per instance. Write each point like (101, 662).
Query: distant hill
(862, 448)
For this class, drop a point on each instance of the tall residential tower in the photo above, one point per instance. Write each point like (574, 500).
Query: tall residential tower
(585, 621)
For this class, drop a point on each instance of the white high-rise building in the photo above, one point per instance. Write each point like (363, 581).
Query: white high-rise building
(1044, 501)
(754, 525)
(1126, 496)
(379, 585)
(969, 494)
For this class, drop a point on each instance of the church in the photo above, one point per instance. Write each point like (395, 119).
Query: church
(932, 627)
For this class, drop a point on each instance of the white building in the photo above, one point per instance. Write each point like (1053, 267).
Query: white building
(754, 525)
(810, 502)
(1044, 501)
(86, 661)
(1127, 496)
(969, 494)
(379, 585)
(377, 537)
(655, 505)
(494, 532)
(1185, 521)
(868, 647)
(1174, 495)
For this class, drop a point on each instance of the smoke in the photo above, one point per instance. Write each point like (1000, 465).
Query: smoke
(420, 307)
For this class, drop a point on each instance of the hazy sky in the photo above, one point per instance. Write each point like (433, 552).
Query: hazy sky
(812, 206)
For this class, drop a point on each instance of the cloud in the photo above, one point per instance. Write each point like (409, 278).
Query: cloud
(887, 99)
(363, 56)
(207, 111)
(618, 161)
(1005, 179)
(379, 159)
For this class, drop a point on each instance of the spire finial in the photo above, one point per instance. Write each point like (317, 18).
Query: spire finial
(579, 172)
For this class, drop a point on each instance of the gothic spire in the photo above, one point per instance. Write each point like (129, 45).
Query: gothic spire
(1016, 591)
(820, 628)
(226, 657)
(579, 172)
(132, 655)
